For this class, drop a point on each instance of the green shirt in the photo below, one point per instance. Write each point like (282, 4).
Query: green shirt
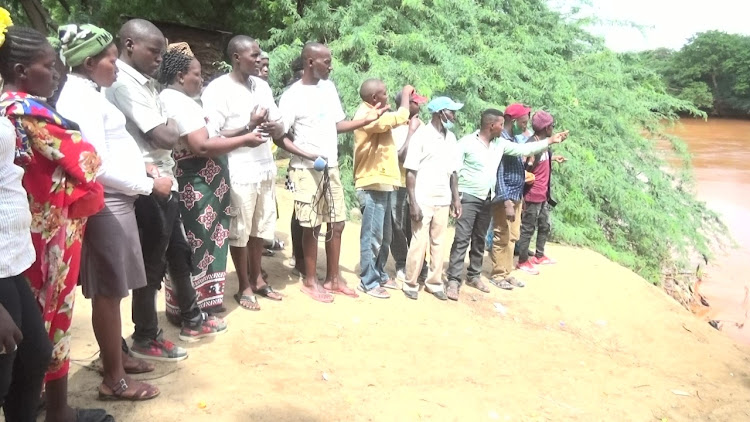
(479, 162)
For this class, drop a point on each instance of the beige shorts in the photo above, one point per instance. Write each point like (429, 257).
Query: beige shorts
(253, 212)
(314, 204)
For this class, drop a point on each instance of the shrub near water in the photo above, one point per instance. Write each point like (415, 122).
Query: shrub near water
(613, 196)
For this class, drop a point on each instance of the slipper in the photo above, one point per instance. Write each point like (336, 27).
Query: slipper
(318, 295)
(515, 282)
(268, 292)
(346, 291)
(142, 367)
(501, 284)
(144, 392)
(478, 284)
(240, 298)
(93, 415)
(451, 292)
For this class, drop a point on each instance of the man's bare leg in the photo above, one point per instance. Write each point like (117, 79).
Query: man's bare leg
(334, 282)
(240, 260)
(310, 285)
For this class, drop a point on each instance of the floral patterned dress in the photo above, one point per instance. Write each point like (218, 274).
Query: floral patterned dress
(60, 170)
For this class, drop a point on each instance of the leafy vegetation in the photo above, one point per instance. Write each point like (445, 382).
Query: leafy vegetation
(712, 71)
(614, 195)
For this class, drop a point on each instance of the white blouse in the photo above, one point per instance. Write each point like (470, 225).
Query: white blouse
(15, 218)
(103, 125)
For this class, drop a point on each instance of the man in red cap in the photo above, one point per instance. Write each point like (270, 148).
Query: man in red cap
(506, 209)
(401, 222)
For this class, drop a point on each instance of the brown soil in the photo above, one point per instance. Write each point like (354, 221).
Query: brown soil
(587, 340)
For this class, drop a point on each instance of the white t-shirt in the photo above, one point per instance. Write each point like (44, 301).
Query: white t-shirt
(188, 115)
(15, 218)
(310, 113)
(228, 105)
(103, 125)
(433, 156)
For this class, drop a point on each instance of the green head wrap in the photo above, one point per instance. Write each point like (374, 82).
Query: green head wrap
(80, 42)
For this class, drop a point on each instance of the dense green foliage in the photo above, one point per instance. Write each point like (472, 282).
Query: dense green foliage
(712, 71)
(614, 196)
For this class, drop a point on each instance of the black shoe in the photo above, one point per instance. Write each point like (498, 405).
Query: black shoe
(411, 294)
(440, 295)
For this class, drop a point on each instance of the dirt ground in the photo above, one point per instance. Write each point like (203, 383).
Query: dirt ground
(585, 341)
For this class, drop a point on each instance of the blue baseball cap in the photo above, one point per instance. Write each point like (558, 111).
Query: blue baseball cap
(443, 103)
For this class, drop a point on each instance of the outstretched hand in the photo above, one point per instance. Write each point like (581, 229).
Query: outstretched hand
(559, 159)
(559, 137)
(376, 112)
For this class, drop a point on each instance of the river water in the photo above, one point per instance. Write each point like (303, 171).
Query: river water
(721, 162)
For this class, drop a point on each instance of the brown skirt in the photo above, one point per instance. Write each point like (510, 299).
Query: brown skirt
(111, 259)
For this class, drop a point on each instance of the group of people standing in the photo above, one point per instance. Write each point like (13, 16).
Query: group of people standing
(128, 182)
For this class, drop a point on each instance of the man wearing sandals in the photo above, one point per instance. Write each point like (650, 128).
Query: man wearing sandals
(235, 104)
(432, 184)
(480, 154)
(312, 112)
(508, 201)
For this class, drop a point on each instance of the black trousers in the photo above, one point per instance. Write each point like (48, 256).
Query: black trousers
(535, 217)
(164, 247)
(296, 231)
(471, 229)
(22, 371)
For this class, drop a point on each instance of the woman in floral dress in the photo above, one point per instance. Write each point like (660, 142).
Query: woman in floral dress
(60, 168)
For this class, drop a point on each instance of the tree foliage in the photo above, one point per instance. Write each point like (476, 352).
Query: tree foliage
(614, 195)
(712, 71)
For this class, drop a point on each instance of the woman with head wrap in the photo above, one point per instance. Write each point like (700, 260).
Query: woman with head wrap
(109, 270)
(60, 170)
(201, 169)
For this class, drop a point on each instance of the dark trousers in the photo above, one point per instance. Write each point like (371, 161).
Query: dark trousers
(164, 247)
(401, 227)
(22, 371)
(535, 217)
(471, 230)
(296, 231)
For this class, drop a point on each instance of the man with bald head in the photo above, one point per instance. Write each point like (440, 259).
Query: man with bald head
(376, 174)
(163, 241)
(312, 113)
(237, 103)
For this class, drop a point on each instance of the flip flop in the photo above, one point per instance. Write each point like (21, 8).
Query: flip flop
(268, 292)
(320, 296)
(478, 284)
(501, 284)
(246, 298)
(93, 415)
(346, 291)
(515, 282)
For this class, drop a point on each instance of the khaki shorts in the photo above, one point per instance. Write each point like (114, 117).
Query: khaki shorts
(315, 205)
(253, 212)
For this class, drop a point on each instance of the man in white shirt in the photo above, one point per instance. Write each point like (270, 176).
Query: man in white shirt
(432, 184)
(238, 103)
(313, 116)
(162, 237)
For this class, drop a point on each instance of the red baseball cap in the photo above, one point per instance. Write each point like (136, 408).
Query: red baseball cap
(517, 110)
(419, 99)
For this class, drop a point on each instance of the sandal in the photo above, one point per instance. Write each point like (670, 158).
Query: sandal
(478, 284)
(249, 302)
(342, 290)
(501, 284)
(93, 415)
(515, 282)
(452, 290)
(268, 292)
(142, 392)
(319, 294)
(141, 366)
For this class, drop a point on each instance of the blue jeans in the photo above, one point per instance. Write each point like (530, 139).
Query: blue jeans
(375, 237)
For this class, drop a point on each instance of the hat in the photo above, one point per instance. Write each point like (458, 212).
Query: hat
(541, 120)
(416, 98)
(443, 103)
(517, 110)
(80, 42)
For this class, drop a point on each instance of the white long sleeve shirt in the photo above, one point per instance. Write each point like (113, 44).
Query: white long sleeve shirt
(103, 125)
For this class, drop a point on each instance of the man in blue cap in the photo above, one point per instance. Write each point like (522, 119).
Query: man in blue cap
(432, 185)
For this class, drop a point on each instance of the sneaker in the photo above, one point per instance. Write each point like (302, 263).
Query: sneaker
(391, 284)
(528, 267)
(158, 349)
(544, 260)
(378, 292)
(207, 326)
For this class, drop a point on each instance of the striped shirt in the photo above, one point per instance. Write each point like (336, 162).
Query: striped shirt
(511, 176)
